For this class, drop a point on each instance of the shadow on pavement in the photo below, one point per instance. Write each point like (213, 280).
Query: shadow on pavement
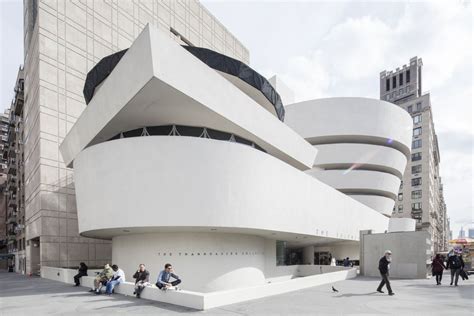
(81, 294)
(128, 301)
(13, 284)
(358, 294)
(20, 285)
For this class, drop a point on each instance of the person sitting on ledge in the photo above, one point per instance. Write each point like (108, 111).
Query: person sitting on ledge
(117, 278)
(142, 279)
(346, 262)
(102, 278)
(82, 272)
(163, 282)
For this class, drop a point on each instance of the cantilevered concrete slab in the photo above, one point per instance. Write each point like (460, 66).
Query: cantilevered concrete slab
(158, 82)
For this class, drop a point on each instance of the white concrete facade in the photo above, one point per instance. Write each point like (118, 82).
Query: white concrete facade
(411, 254)
(63, 40)
(212, 208)
(363, 146)
(198, 99)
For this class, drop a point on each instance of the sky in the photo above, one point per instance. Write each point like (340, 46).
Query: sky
(338, 48)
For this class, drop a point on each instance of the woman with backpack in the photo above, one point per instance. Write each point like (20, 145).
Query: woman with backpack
(437, 268)
(456, 264)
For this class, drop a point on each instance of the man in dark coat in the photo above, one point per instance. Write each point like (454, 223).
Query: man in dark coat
(142, 279)
(82, 272)
(384, 267)
(456, 264)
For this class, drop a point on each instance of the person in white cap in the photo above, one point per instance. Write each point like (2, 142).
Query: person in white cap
(456, 264)
(384, 267)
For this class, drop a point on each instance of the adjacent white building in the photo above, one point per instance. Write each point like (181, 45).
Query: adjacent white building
(179, 158)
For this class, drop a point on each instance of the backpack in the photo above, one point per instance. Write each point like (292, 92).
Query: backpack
(454, 262)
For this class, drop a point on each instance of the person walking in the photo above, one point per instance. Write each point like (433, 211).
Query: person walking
(142, 279)
(437, 268)
(456, 264)
(384, 267)
(82, 272)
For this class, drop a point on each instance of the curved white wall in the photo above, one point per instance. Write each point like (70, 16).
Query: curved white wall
(380, 203)
(360, 120)
(363, 145)
(197, 184)
(360, 181)
(205, 262)
(375, 157)
(158, 194)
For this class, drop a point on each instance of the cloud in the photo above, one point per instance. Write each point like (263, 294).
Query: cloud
(347, 60)
(352, 49)
(309, 75)
(457, 143)
(357, 49)
(326, 69)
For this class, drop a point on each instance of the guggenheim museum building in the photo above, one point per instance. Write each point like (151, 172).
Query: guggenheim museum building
(187, 156)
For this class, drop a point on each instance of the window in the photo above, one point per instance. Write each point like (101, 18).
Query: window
(407, 76)
(400, 79)
(417, 119)
(416, 144)
(415, 182)
(400, 209)
(400, 92)
(410, 108)
(400, 196)
(415, 156)
(416, 194)
(416, 169)
(417, 131)
(387, 84)
(401, 185)
(416, 206)
(418, 106)
(394, 82)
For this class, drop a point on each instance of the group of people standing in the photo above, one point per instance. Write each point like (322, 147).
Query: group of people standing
(112, 276)
(455, 263)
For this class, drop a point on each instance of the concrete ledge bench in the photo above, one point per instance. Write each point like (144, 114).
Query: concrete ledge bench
(182, 297)
(203, 301)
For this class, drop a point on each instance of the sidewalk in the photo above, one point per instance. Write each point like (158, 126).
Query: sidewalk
(20, 295)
